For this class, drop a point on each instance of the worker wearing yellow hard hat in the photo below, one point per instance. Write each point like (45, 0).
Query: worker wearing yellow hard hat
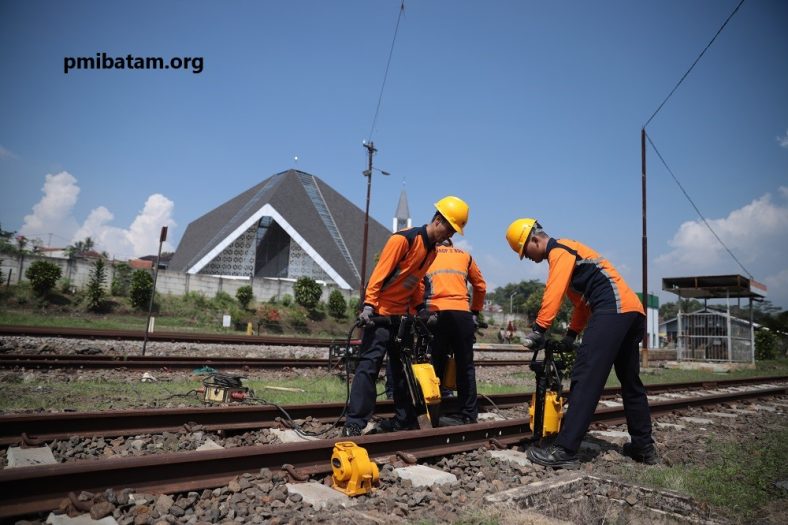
(613, 319)
(396, 288)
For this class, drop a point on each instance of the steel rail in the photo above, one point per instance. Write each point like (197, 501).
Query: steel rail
(37, 428)
(193, 337)
(137, 362)
(26, 490)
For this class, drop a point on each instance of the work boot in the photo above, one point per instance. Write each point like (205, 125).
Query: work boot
(554, 456)
(393, 425)
(454, 420)
(647, 454)
(351, 430)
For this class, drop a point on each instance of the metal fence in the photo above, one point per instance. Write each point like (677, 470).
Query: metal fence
(714, 336)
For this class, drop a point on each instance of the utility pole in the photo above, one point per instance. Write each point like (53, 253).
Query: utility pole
(645, 245)
(162, 238)
(368, 174)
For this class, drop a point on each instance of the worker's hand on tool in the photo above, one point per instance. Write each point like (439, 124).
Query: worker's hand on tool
(534, 340)
(364, 316)
(475, 322)
(568, 341)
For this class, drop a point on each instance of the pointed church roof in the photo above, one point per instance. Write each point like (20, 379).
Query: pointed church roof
(321, 221)
(403, 212)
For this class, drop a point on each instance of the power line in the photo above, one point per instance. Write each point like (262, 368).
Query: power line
(386, 74)
(696, 208)
(693, 64)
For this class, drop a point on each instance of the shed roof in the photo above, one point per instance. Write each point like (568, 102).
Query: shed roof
(714, 287)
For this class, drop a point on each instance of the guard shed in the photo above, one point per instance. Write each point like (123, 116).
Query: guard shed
(713, 334)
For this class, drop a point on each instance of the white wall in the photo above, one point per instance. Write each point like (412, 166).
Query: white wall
(167, 282)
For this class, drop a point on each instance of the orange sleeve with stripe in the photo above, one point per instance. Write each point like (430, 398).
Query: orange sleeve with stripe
(562, 264)
(479, 286)
(393, 252)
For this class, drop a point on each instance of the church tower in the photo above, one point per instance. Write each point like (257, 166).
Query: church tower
(402, 216)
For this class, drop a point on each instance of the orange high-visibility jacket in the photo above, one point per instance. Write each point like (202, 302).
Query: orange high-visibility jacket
(590, 282)
(395, 286)
(446, 282)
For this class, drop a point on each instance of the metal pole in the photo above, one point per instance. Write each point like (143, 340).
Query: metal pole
(162, 238)
(368, 174)
(645, 244)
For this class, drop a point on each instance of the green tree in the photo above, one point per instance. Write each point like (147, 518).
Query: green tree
(515, 294)
(534, 303)
(95, 290)
(765, 345)
(244, 295)
(337, 306)
(307, 292)
(43, 276)
(121, 281)
(670, 310)
(141, 289)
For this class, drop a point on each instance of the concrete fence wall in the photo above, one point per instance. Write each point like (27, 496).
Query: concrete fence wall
(77, 271)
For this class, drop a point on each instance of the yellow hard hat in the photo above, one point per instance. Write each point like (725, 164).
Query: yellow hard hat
(454, 210)
(517, 234)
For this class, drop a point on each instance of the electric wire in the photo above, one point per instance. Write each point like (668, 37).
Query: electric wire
(693, 64)
(696, 208)
(386, 74)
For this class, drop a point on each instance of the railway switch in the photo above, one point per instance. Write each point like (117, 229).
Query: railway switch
(354, 473)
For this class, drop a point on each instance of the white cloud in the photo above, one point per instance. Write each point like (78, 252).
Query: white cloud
(783, 141)
(54, 214)
(6, 153)
(757, 234)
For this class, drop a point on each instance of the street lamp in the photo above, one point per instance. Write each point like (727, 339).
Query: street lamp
(368, 174)
(511, 311)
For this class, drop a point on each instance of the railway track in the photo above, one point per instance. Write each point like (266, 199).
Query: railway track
(173, 362)
(32, 429)
(27, 490)
(201, 338)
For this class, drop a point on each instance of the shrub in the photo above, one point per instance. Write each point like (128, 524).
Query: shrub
(223, 301)
(244, 295)
(95, 291)
(337, 305)
(353, 305)
(287, 299)
(43, 276)
(141, 289)
(121, 281)
(307, 292)
(268, 316)
(297, 320)
(765, 345)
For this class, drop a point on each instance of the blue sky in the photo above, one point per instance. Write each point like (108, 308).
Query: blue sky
(522, 108)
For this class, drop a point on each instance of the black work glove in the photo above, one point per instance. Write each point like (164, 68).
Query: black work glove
(568, 341)
(365, 315)
(475, 320)
(425, 317)
(534, 340)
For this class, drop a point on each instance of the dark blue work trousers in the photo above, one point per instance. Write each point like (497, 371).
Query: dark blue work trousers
(454, 335)
(609, 340)
(376, 342)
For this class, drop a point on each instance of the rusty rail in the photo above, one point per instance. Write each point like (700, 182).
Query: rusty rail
(27, 490)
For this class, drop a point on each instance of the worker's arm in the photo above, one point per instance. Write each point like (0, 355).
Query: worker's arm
(393, 252)
(479, 287)
(580, 313)
(562, 264)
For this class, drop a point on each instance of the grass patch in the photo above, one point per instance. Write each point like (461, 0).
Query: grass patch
(736, 478)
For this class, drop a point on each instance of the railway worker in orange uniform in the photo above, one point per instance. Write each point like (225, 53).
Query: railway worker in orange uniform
(446, 293)
(613, 318)
(395, 288)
